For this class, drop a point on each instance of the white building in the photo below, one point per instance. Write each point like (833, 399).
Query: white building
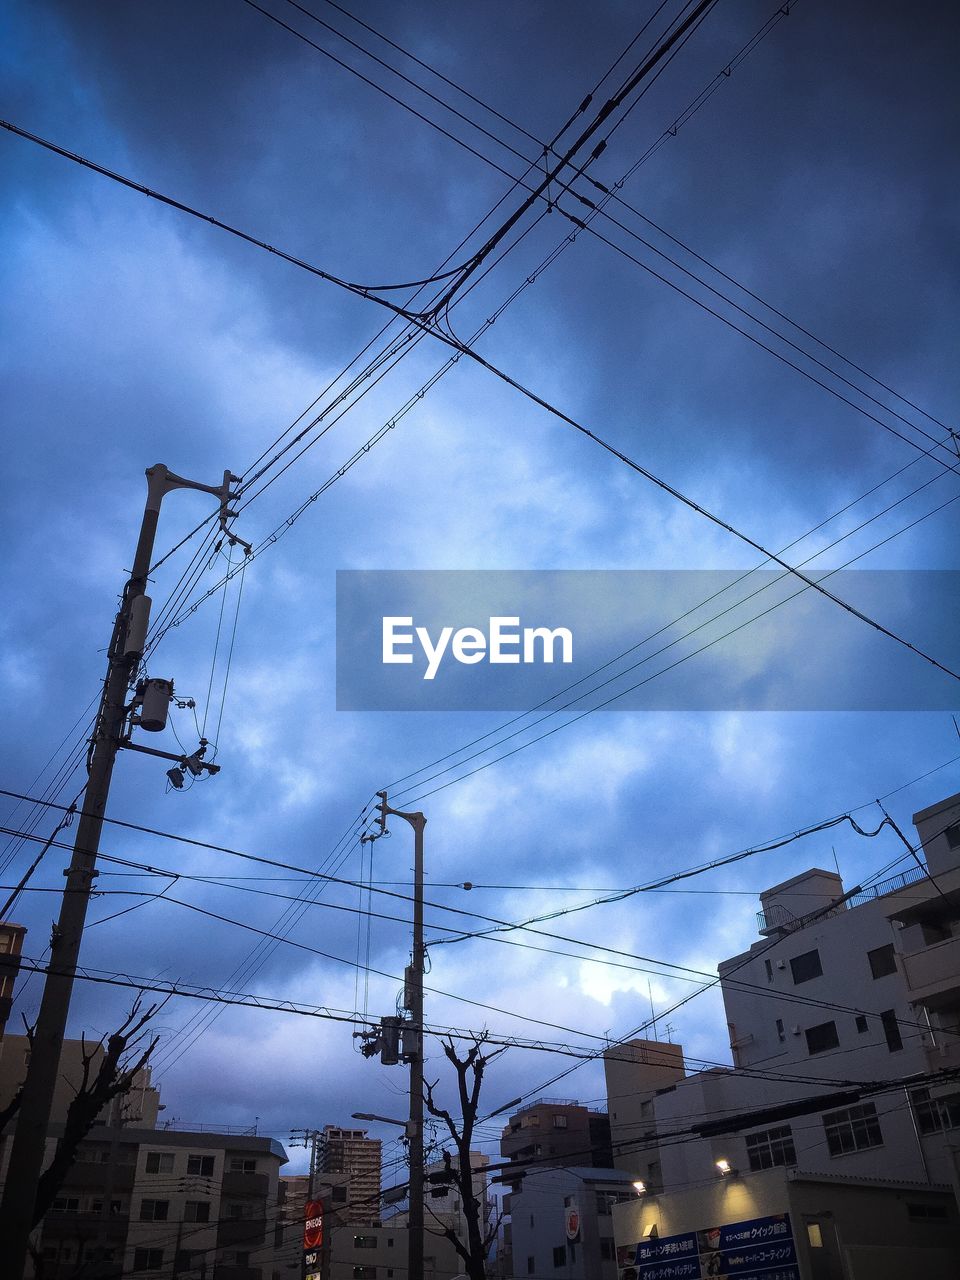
(562, 1224)
(841, 989)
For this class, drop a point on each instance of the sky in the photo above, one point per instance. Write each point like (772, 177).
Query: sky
(815, 176)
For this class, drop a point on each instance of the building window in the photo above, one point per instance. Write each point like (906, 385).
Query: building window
(771, 1147)
(781, 1034)
(531, 1264)
(560, 1255)
(927, 1212)
(240, 1209)
(240, 1165)
(934, 1115)
(606, 1250)
(147, 1259)
(366, 1273)
(806, 966)
(861, 1023)
(364, 1242)
(200, 1166)
(338, 1195)
(559, 1122)
(196, 1211)
(883, 960)
(953, 835)
(814, 1235)
(822, 1037)
(159, 1162)
(769, 968)
(154, 1210)
(65, 1204)
(888, 1020)
(855, 1129)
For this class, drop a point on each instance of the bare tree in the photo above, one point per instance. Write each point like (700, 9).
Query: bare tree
(108, 1070)
(480, 1233)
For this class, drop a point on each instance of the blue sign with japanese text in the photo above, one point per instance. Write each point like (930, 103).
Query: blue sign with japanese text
(756, 1249)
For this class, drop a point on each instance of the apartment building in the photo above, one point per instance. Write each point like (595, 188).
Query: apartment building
(837, 1015)
(557, 1131)
(562, 1223)
(355, 1159)
(148, 1202)
(11, 947)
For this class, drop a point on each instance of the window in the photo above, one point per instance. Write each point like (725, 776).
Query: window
(147, 1259)
(781, 1034)
(200, 1166)
(928, 1212)
(240, 1165)
(771, 1147)
(888, 1020)
(240, 1209)
(769, 968)
(65, 1204)
(364, 1242)
(154, 1210)
(196, 1211)
(606, 1250)
(883, 960)
(806, 966)
(934, 1115)
(855, 1129)
(531, 1264)
(366, 1273)
(116, 1208)
(861, 1023)
(814, 1235)
(338, 1195)
(560, 1255)
(559, 1122)
(953, 835)
(159, 1162)
(822, 1037)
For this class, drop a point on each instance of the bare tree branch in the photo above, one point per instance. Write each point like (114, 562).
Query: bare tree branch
(114, 1076)
(469, 1073)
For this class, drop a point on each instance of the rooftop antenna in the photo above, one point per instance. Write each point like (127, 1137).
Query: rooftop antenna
(653, 1012)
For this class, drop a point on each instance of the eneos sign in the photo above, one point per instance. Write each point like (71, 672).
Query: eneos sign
(313, 1224)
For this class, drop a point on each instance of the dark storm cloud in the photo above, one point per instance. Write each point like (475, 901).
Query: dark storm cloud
(815, 175)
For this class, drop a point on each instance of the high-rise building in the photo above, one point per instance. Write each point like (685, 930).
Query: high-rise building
(355, 1158)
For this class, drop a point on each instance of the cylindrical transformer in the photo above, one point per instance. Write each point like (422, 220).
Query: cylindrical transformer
(138, 624)
(156, 703)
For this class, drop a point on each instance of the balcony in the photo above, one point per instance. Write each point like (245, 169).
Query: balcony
(933, 975)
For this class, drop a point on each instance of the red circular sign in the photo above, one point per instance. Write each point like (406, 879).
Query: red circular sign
(572, 1222)
(313, 1224)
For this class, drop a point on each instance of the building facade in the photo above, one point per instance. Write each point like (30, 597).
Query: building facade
(561, 1223)
(355, 1160)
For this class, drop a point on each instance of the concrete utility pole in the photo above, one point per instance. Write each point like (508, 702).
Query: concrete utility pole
(414, 1003)
(124, 654)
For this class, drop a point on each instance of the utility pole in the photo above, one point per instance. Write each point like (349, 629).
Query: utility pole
(125, 651)
(413, 1000)
(310, 1138)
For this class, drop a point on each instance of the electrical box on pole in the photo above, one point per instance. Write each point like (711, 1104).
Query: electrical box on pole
(390, 1041)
